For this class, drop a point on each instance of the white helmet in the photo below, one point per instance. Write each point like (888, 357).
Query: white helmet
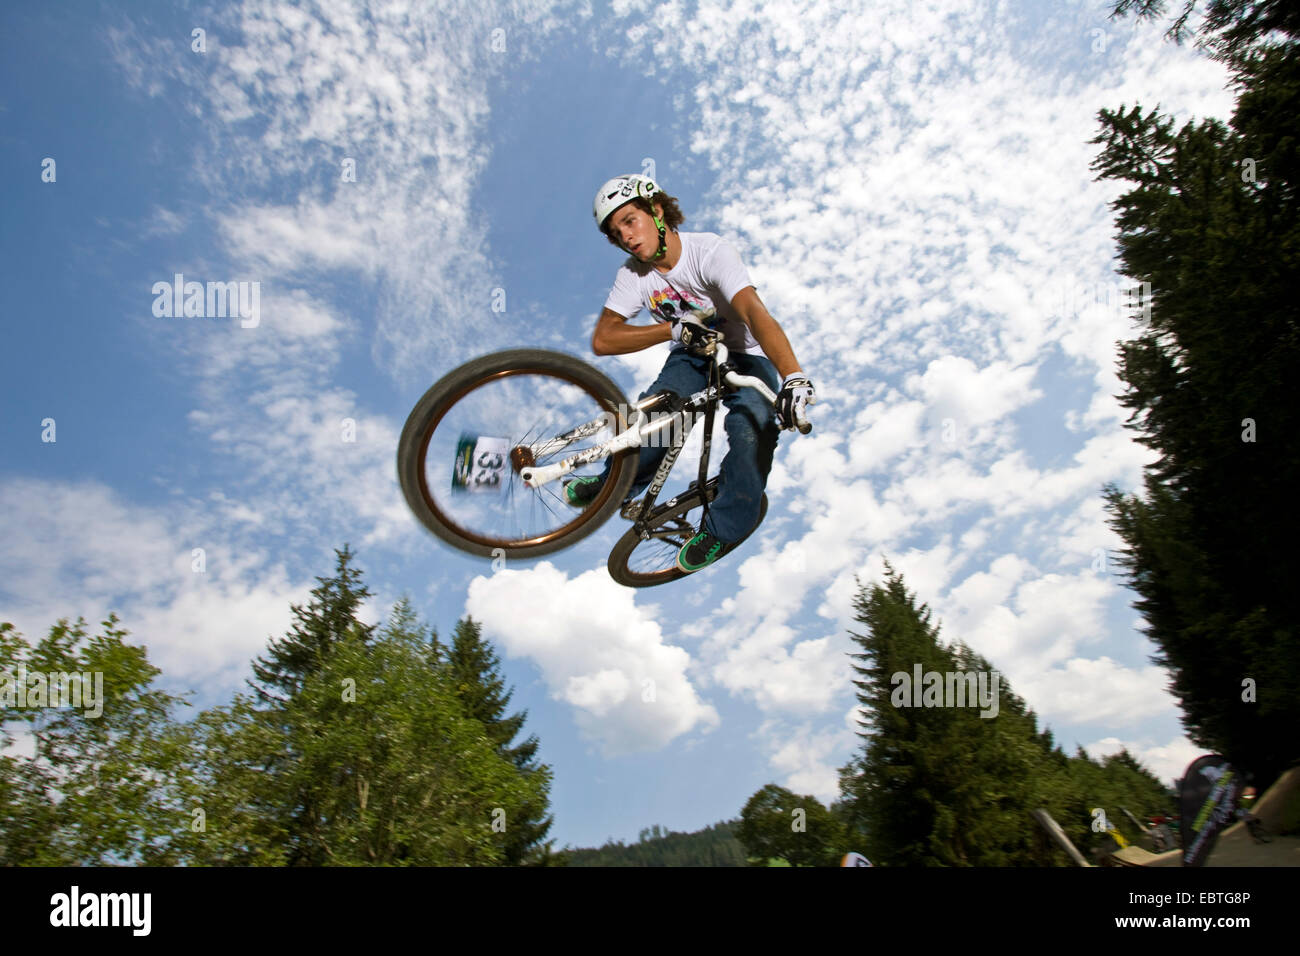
(620, 191)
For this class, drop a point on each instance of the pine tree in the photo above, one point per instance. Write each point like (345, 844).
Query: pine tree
(373, 760)
(1211, 224)
(320, 628)
(935, 785)
(474, 670)
(328, 618)
(895, 807)
(1230, 27)
(404, 621)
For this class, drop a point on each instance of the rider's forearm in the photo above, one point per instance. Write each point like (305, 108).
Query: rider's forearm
(771, 339)
(621, 338)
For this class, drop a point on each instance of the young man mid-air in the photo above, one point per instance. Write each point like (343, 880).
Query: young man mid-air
(696, 287)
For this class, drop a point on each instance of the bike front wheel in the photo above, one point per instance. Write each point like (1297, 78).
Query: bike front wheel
(465, 442)
(642, 563)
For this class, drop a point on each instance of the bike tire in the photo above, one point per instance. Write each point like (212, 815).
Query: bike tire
(620, 558)
(442, 396)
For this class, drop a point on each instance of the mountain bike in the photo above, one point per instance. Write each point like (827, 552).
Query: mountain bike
(483, 454)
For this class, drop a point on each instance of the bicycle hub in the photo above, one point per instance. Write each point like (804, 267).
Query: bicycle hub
(521, 458)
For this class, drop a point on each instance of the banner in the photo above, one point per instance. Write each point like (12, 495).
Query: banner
(1211, 790)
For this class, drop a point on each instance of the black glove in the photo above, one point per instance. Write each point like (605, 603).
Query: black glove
(796, 394)
(694, 335)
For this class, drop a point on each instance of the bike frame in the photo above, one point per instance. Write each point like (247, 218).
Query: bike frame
(535, 477)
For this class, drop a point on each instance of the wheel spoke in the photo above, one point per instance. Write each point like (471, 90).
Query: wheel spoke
(464, 444)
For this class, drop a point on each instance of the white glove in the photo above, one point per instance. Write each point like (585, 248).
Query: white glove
(792, 402)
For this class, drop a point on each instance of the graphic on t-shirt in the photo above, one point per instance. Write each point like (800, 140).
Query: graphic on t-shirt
(670, 305)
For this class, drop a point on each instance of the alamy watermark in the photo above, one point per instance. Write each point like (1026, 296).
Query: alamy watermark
(75, 908)
(32, 689)
(946, 689)
(658, 429)
(1069, 299)
(215, 300)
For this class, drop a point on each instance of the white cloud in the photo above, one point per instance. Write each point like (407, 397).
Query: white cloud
(1026, 624)
(164, 223)
(1167, 761)
(915, 192)
(803, 677)
(805, 756)
(1085, 539)
(357, 136)
(311, 235)
(597, 652)
(889, 430)
(955, 389)
(189, 587)
(1096, 691)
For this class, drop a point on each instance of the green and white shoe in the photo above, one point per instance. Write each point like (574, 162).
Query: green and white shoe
(701, 551)
(580, 491)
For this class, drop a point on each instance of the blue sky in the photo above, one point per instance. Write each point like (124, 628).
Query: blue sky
(908, 186)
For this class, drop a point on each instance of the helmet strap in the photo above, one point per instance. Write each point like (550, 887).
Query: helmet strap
(659, 224)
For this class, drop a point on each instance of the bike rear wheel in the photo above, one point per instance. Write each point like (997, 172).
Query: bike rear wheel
(638, 563)
(461, 450)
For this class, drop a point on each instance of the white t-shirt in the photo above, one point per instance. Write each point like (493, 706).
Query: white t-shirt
(705, 280)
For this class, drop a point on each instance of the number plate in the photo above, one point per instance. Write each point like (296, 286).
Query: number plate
(481, 463)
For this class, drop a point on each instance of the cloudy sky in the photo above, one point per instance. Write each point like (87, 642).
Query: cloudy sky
(907, 182)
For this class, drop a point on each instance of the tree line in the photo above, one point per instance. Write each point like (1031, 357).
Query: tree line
(939, 784)
(715, 845)
(355, 745)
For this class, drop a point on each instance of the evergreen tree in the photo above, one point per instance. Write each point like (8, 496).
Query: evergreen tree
(319, 628)
(404, 621)
(474, 670)
(935, 785)
(1230, 28)
(372, 761)
(328, 618)
(1211, 223)
(893, 791)
(1091, 797)
(713, 846)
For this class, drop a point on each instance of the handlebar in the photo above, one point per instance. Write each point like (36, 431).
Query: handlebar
(736, 380)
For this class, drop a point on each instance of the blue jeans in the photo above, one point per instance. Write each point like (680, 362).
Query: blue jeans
(752, 433)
